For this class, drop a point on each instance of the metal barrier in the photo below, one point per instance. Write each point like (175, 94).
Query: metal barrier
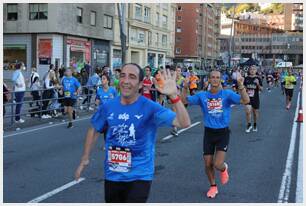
(12, 103)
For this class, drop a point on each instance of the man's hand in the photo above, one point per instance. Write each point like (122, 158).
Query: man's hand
(81, 167)
(169, 88)
(240, 79)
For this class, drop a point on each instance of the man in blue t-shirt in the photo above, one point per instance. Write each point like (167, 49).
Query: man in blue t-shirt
(216, 107)
(71, 88)
(132, 121)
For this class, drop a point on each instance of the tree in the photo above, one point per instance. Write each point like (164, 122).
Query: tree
(275, 8)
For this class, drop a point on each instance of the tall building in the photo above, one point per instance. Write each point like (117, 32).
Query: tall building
(293, 16)
(270, 48)
(150, 35)
(197, 31)
(40, 34)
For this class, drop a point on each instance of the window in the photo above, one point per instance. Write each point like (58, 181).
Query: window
(178, 39)
(165, 21)
(12, 14)
(133, 35)
(179, 8)
(80, 15)
(93, 18)
(141, 37)
(157, 19)
(138, 11)
(38, 11)
(179, 18)
(147, 14)
(164, 39)
(178, 30)
(108, 22)
(178, 50)
(157, 39)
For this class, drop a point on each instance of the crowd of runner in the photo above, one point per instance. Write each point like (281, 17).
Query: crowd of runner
(132, 103)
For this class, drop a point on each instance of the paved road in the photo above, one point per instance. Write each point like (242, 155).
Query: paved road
(39, 161)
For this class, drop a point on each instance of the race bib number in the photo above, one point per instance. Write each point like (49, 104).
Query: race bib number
(251, 92)
(214, 107)
(119, 159)
(67, 94)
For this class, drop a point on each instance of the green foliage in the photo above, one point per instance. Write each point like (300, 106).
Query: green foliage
(276, 8)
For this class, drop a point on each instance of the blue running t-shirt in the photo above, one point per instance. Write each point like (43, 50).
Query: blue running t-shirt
(216, 108)
(103, 96)
(70, 85)
(130, 138)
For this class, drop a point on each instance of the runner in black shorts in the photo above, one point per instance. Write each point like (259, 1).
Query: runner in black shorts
(216, 106)
(253, 85)
(71, 88)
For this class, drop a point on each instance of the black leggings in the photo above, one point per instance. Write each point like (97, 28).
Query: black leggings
(135, 191)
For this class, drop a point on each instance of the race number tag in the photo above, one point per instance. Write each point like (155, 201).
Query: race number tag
(251, 92)
(119, 159)
(67, 94)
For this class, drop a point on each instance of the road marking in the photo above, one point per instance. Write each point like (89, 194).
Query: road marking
(70, 184)
(53, 192)
(284, 190)
(180, 131)
(40, 128)
(299, 181)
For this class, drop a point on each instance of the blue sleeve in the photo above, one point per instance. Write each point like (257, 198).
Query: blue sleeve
(77, 83)
(194, 100)
(233, 98)
(98, 120)
(163, 116)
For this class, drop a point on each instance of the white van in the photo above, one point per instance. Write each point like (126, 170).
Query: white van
(283, 64)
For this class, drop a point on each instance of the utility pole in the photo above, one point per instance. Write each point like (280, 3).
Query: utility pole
(230, 46)
(122, 24)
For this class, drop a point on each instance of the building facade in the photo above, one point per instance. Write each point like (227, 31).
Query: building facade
(270, 48)
(150, 35)
(197, 31)
(40, 34)
(293, 14)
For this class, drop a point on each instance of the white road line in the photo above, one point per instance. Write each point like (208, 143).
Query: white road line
(299, 181)
(180, 131)
(70, 184)
(44, 127)
(284, 190)
(53, 192)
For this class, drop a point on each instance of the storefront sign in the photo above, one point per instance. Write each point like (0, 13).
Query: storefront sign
(45, 51)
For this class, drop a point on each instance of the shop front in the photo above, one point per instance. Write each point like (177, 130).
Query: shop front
(78, 53)
(100, 53)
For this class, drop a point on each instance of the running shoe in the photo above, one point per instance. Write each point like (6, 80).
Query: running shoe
(212, 192)
(254, 128)
(248, 129)
(174, 132)
(70, 125)
(224, 177)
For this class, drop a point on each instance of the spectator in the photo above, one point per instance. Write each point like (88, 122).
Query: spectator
(34, 87)
(6, 96)
(47, 93)
(92, 84)
(19, 89)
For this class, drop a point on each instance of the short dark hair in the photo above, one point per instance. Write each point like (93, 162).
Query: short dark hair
(190, 68)
(148, 68)
(107, 77)
(51, 66)
(168, 66)
(118, 70)
(141, 73)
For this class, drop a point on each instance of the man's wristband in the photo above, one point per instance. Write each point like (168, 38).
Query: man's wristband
(175, 100)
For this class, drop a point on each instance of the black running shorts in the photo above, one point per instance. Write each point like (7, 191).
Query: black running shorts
(68, 102)
(215, 139)
(289, 92)
(127, 192)
(254, 102)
